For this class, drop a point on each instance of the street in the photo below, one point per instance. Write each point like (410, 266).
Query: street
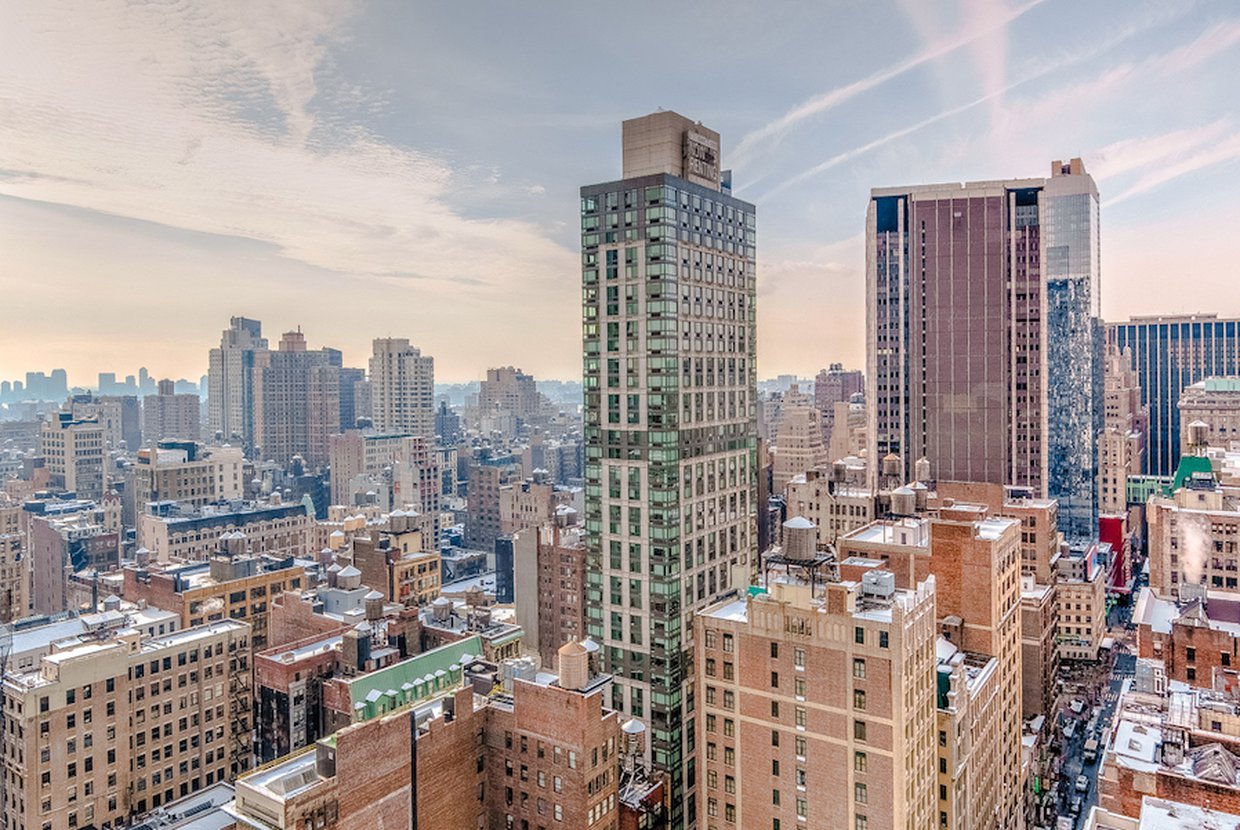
(1098, 686)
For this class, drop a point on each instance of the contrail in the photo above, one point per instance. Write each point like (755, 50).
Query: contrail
(835, 97)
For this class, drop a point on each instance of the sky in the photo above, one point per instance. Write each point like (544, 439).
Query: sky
(411, 169)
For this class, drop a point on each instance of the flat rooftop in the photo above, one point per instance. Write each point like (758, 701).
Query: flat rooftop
(903, 532)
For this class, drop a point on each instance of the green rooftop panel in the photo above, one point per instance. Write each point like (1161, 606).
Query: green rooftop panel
(1190, 465)
(410, 681)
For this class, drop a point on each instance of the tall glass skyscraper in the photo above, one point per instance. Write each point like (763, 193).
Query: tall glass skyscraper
(983, 339)
(1171, 353)
(668, 335)
(1074, 345)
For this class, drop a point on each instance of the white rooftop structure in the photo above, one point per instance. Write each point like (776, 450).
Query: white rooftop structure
(1160, 814)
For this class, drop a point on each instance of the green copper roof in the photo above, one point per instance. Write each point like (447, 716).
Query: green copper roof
(1190, 465)
(411, 681)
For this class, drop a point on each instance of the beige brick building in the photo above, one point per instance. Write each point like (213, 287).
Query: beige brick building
(1214, 403)
(14, 563)
(818, 710)
(105, 730)
(275, 529)
(74, 451)
(1080, 594)
(975, 558)
(187, 473)
(798, 440)
(1194, 536)
(237, 587)
(402, 388)
(1039, 647)
(168, 415)
(836, 507)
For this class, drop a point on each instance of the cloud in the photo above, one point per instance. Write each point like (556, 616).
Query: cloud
(1086, 97)
(1207, 155)
(213, 120)
(1130, 154)
(849, 155)
(992, 95)
(819, 104)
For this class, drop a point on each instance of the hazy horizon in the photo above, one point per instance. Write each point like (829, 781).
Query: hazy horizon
(378, 169)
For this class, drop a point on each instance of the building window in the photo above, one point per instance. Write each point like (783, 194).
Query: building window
(859, 668)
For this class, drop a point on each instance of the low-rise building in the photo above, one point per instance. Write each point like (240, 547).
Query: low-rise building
(446, 740)
(1171, 743)
(105, 730)
(290, 678)
(69, 537)
(234, 584)
(1080, 593)
(1197, 640)
(398, 564)
(1161, 814)
(186, 473)
(276, 529)
(1213, 405)
(1194, 527)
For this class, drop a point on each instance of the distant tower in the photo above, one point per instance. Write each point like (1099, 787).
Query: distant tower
(402, 388)
(230, 382)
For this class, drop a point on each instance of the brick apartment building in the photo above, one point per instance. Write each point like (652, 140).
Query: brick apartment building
(232, 585)
(801, 694)
(108, 728)
(460, 747)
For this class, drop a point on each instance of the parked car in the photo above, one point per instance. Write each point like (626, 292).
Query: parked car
(1082, 784)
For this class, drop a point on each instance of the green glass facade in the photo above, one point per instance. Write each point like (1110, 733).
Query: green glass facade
(668, 341)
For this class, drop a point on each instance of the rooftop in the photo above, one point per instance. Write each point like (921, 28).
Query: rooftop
(412, 680)
(906, 532)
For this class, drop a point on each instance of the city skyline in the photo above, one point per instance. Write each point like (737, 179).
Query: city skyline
(340, 167)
